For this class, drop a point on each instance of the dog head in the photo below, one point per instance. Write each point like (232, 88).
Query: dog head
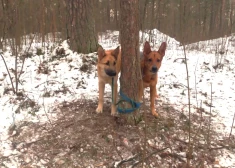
(153, 59)
(107, 61)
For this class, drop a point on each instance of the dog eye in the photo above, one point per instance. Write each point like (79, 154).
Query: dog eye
(149, 59)
(158, 60)
(107, 63)
(114, 63)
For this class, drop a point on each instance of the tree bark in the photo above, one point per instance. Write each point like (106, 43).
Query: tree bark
(231, 22)
(116, 15)
(211, 25)
(129, 31)
(82, 26)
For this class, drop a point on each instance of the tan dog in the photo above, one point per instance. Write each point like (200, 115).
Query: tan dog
(150, 64)
(108, 67)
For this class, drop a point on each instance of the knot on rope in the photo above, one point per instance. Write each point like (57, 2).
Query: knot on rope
(134, 105)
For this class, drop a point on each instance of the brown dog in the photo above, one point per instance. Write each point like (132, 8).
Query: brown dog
(150, 64)
(108, 67)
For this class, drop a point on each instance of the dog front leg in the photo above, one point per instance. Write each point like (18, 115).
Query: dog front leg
(101, 97)
(156, 96)
(114, 101)
(152, 100)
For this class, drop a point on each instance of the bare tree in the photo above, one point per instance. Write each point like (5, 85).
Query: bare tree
(231, 16)
(129, 31)
(82, 26)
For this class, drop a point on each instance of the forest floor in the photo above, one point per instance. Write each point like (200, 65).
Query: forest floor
(82, 138)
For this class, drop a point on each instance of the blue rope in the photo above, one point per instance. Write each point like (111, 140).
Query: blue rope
(134, 105)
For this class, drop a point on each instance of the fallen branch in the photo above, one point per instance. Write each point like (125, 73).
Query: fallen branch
(174, 155)
(126, 160)
(178, 59)
(201, 146)
(47, 82)
(141, 161)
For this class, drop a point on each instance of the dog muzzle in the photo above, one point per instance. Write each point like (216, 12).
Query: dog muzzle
(154, 69)
(110, 72)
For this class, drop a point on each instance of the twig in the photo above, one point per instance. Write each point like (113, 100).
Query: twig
(232, 126)
(15, 51)
(197, 132)
(189, 108)
(145, 128)
(209, 127)
(196, 81)
(22, 66)
(46, 111)
(8, 73)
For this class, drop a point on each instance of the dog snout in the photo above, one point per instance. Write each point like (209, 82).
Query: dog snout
(154, 69)
(110, 72)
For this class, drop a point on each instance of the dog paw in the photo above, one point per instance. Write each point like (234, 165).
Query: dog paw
(154, 113)
(157, 96)
(99, 109)
(114, 113)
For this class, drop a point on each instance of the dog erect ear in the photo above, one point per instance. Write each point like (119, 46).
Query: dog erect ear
(115, 52)
(101, 53)
(147, 48)
(162, 49)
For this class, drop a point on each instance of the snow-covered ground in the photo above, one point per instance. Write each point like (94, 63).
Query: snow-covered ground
(49, 83)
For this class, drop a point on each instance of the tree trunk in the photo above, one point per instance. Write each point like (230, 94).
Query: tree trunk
(108, 13)
(129, 31)
(116, 15)
(82, 26)
(231, 11)
(211, 25)
(222, 4)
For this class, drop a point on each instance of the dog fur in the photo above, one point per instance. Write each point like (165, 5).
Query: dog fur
(150, 65)
(108, 67)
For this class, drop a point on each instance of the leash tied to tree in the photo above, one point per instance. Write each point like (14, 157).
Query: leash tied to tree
(134, 105)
